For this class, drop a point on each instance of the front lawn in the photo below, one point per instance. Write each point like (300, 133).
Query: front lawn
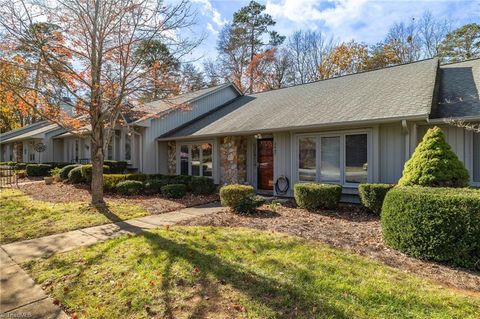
(24, 218)
(199, 272)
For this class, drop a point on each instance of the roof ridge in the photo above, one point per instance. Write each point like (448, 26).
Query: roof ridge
(345, 75)
(458, 62)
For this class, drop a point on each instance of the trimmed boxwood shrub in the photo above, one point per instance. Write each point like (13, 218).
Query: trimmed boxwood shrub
(434, 164)
(154, 186)
(116, 167)
(249, 204)
(232, 195)
(110, 181)
(75, 175)
(57, 164)
(174, 190)
(87, 171)
(315, 195)
(65, 170)
(20, 166)
(130, 187)
(437, 224)
(38, 170)
(372, 195)
(202, 185)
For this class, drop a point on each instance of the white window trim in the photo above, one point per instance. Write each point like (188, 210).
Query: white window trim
(342, 135)
(190, 144)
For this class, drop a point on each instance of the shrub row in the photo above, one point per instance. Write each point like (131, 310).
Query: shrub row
(314, 195)
(110, 181)
(437, 224)
(373, 195)
(116, 167)
(38, 170)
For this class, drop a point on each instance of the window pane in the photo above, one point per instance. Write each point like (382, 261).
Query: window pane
(196, 160)
(128, 147)
(307, 158)
(476, 157)
(330, 166)
(184, 160)
(207, 162)
(356, 167)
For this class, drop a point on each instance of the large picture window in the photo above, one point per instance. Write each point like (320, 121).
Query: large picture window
(335, 158)
(196, 159)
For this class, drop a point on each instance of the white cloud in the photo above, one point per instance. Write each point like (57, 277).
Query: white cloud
(208, 9)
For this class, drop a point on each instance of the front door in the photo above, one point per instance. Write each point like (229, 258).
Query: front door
(265, 164)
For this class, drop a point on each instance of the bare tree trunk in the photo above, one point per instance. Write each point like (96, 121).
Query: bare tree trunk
(97, 165)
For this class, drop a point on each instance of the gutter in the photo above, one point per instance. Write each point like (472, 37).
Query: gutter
(421, 117)
(442, 120)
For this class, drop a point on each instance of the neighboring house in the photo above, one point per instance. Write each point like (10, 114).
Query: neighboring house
(134, 142)
(346, 130)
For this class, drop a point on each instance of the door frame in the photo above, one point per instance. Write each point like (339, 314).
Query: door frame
(258, 166)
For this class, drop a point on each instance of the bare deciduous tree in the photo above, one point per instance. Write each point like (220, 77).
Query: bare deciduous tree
(99, 37)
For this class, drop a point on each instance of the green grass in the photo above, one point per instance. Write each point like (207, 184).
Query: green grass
(24, 218)
(196, 272)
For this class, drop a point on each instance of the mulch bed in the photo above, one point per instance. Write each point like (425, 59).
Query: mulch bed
(348, 227)
(63, 193)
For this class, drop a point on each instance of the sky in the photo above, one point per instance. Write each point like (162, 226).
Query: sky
(362, 20)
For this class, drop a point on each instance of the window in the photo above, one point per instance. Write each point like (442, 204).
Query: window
(330, 159)
(196, 159)
(307, 170)
(335, 158)
(476, 157)
(356, 158)
(128, 147)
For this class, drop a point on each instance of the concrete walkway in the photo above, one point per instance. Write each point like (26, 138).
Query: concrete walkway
(20, 297)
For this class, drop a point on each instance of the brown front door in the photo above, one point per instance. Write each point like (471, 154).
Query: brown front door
(265, 164)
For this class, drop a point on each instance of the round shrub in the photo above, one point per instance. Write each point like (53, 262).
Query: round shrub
(130, 187)
(154, 186)
(372, 196)
(116, 167)
(434, 164)
(110, 181)
(202, 185)
(249, 204)
(38, 170)
(314, 195)
(75, 175)
(87, 171)
(65, 170)
(232, 195)
(438, 224)
(174, 190)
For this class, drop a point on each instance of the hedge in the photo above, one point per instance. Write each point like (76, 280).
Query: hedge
(57, 164)
(372, 196)
(17, 166)
(174, 190)
(110, 181)
(202, 185)
(38, 170)
(154, 186)
(232, 195)
(130, 187)
(438, 224)
(116, 167)
(87, 171)
(75, 175)
(249, 204)
(314, 195)
(65, 170)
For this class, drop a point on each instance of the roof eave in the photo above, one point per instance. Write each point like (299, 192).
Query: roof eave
(421, 117)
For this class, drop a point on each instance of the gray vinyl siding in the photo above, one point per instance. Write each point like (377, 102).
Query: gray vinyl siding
(391, 152)
(282, 164)
(178, 118)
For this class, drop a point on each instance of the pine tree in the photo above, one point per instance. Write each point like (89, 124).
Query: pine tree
(434, 164)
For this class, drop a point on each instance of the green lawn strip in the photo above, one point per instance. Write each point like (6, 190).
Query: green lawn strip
(24, 218)
(190, 272)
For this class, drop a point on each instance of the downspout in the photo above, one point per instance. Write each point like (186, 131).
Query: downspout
(406, 132)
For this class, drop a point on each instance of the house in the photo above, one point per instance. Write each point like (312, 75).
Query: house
(346, 130)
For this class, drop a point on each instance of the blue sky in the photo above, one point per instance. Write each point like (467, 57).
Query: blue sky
(363, 20)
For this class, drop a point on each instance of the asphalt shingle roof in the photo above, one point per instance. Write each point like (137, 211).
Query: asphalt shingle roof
(394, 92)
(459, 90)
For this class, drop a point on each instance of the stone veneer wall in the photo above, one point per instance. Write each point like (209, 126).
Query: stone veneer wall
(172, 158)
(233, 160)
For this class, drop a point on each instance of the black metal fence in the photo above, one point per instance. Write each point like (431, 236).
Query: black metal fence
(8, 176)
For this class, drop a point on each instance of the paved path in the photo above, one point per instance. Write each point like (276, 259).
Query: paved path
(20, 297)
